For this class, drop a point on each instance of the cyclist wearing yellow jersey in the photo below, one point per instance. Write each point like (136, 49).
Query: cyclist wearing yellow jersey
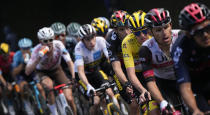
(119, 22)
(130, 49)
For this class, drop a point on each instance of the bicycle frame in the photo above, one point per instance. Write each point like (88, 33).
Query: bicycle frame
(109, 104)
(61, 101)
(36, 94)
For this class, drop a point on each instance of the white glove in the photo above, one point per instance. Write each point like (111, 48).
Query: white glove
(163, 104)
(89, 88)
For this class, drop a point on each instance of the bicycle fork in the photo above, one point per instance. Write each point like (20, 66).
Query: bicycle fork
(62, 102)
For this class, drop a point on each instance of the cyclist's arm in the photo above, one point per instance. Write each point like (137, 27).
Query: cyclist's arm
(3, 81)
(145, 56)
(155, 92)
(71, 68)
(183, 78)
(134, 80)
(32, 63)
(79, 63)
(69, 61)
(30, 67)
(17, 67)
(17, 70)
(187, 94)
(104, 48)
(82, 76)
(116, 65)
(130, 68)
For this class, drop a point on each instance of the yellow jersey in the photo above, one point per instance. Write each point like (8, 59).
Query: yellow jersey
(130, 49)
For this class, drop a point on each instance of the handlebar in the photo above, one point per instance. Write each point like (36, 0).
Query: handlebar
(103, 88)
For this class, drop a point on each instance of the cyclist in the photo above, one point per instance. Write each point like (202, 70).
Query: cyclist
(191, 56)
(60, 34)
(20, 59)
(131, 45)
(45, 61)
(59, 31)
(6, 58)
(105, 20)
(91, 54)
(72, 30)
(157, 64)
(72, 37)
(119, 22)
(107, 23)
(100, 26)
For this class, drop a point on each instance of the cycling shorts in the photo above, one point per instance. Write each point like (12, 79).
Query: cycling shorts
(56, 75)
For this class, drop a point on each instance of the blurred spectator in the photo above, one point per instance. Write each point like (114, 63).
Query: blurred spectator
(10, 38)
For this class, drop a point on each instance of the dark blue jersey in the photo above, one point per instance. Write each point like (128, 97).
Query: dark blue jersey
(191, 62)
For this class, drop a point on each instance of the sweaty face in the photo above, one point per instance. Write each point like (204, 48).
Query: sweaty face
(90, 43)
(201, 33)
(122, 31)
(162, 34)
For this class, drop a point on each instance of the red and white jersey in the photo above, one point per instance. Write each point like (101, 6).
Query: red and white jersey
(50, 62)
(155, 58)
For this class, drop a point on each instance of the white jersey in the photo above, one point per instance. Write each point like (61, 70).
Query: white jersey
(90, 58)
(163, 66)
(50, 62)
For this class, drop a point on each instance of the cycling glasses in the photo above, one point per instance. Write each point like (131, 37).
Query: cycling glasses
(62, 35)
(138, 33)
(47, 41)
(200, 32)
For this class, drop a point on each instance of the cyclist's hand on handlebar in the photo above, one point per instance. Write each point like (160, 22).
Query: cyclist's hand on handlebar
(145, 96)
(128, 87)
(89, 88)
(9, 86)
(168, 109)
(129, 90)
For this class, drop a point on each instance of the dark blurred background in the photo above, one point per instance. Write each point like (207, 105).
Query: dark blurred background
(25, 17)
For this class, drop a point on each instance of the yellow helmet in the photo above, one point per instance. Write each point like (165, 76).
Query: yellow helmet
(100, 26)
(136, 21)
(4, 48)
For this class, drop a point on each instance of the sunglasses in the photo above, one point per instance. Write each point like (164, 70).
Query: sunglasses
(199, 32)
(47, 41)
(138, 33)
(62, 35)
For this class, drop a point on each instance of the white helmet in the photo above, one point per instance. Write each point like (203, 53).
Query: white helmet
(45, 33)
(86, 31)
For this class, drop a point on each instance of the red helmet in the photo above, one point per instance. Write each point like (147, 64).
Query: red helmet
(119, 18)
(157, 17)
(192, 14)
